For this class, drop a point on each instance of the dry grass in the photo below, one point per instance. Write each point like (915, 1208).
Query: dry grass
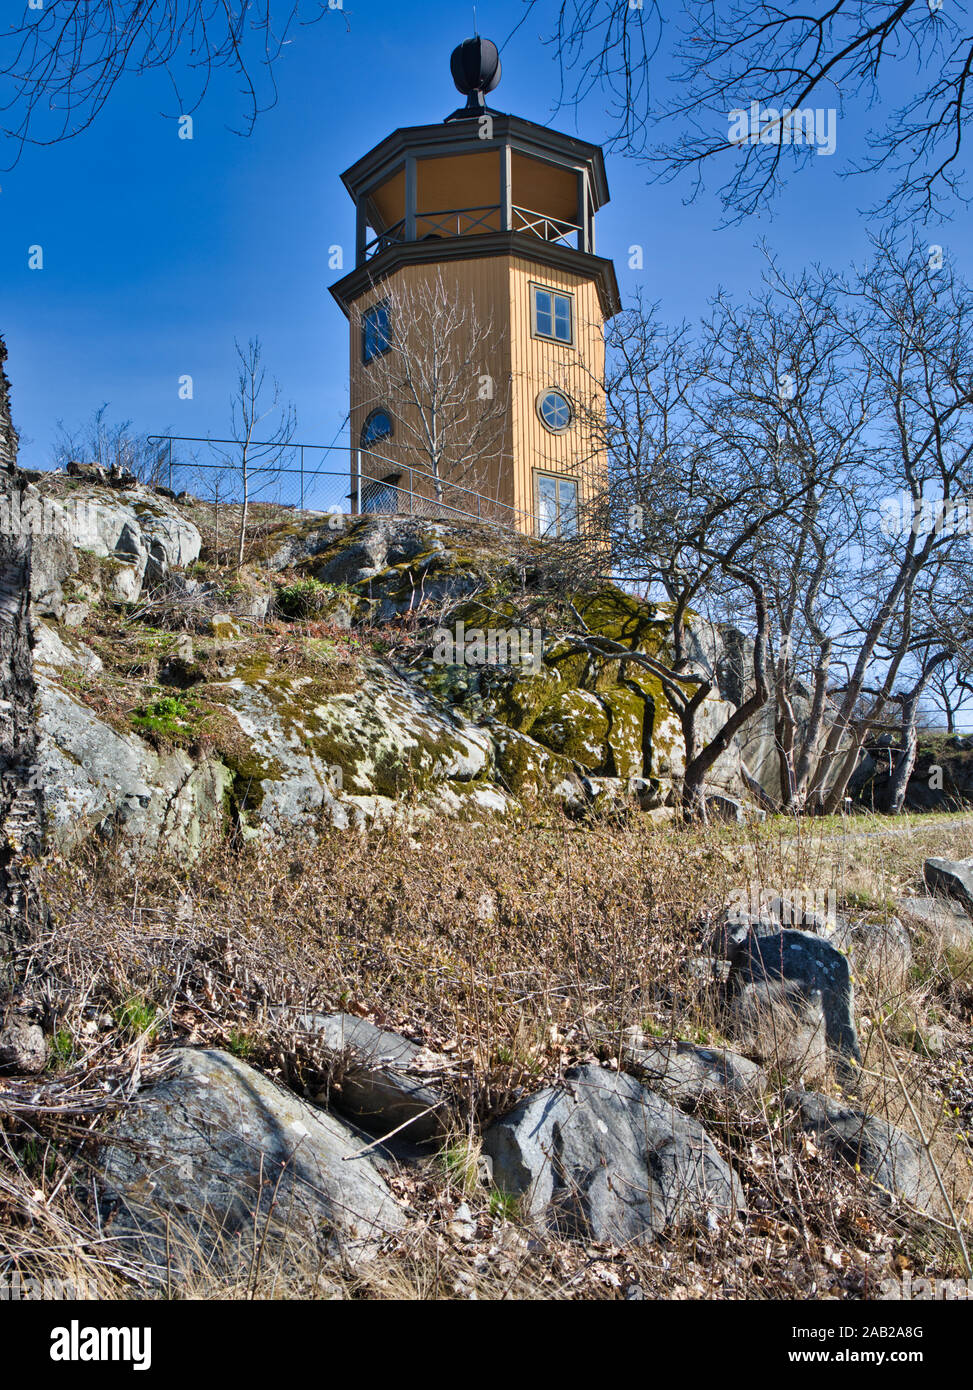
(518, 953)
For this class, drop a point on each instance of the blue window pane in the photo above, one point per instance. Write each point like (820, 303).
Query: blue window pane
(555, 410)
(377, 426)
(557, 506)
(567, 508)
(544, 313)
(547, 506)
(552, 315)
(375, 331)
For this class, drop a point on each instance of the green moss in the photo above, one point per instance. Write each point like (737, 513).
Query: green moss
(308, 597)
(576, 724)
(518, 698)
(627, 710)
(524, 766)
(246, 791)
(168, 717)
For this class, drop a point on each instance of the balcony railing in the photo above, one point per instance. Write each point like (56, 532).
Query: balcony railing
(547, 228)
(456, 222)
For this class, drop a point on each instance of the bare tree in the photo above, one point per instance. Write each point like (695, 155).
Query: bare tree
(950, 690)
(793, 471)
(440, 382)
(727, 54)
(913, 333)
(61, 60)
(692, 503)
(261, 426)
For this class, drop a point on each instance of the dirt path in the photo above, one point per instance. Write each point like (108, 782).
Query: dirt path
(913, 829)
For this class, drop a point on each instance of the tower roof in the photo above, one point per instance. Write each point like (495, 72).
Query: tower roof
(464, 131)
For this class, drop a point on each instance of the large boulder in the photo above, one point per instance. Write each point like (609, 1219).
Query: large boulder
(576, 724)
(688, 1074)
(214, 1151)
(942, 918)
(138, 533)
(171, 540)
(952, 878)
(350, 755)
(811, 966)
(93, 777)
(379, 1079)
(601, 1157)
(889, 1157)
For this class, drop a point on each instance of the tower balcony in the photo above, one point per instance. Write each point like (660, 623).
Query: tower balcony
(476, 175)
(455, 222)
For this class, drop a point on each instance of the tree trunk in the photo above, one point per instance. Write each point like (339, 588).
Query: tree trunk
(243, 514)
(905, 758)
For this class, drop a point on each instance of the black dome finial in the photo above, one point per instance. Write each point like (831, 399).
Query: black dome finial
(475, 66)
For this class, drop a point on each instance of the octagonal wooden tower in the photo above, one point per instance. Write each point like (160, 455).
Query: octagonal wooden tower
(476, 278)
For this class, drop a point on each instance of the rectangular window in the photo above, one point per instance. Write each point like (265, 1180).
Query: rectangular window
(553, 315)
(557, 506)
(375, 335)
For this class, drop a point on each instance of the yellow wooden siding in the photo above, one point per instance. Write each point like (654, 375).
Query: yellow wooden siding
(544, 187)
(530, 365)
(458, 181)
(538, 364)
(481, 282)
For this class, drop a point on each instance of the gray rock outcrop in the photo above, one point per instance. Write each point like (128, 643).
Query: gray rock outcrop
(688, 1074)
(601, 1157)
(883, 1153)
(810, 965)
(379, 1079)
(214, 1151)
(952, 878)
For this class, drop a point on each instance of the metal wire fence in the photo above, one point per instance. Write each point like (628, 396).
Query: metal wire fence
(328, 478)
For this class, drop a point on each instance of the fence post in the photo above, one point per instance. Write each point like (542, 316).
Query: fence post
(302, 477)
(170, 463)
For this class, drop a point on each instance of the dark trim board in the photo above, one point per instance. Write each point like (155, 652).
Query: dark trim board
(471, 248)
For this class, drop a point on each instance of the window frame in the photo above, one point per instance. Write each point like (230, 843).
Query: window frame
(558, 478)
(380, 304)
(542, 396)
(535, 332)
(389, 434)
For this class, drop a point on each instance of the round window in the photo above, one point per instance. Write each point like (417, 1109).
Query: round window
(554, 409)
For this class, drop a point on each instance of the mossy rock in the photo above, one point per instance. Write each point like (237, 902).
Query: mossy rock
(663, 748)
(525, 767)
(627, 710)
(572, 666)
(517, 697)
(576, 724)
(450, 683)
(619, 616)
(223, 628)
(248, 773)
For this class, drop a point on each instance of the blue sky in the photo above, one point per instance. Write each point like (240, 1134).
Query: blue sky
(158, 252)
